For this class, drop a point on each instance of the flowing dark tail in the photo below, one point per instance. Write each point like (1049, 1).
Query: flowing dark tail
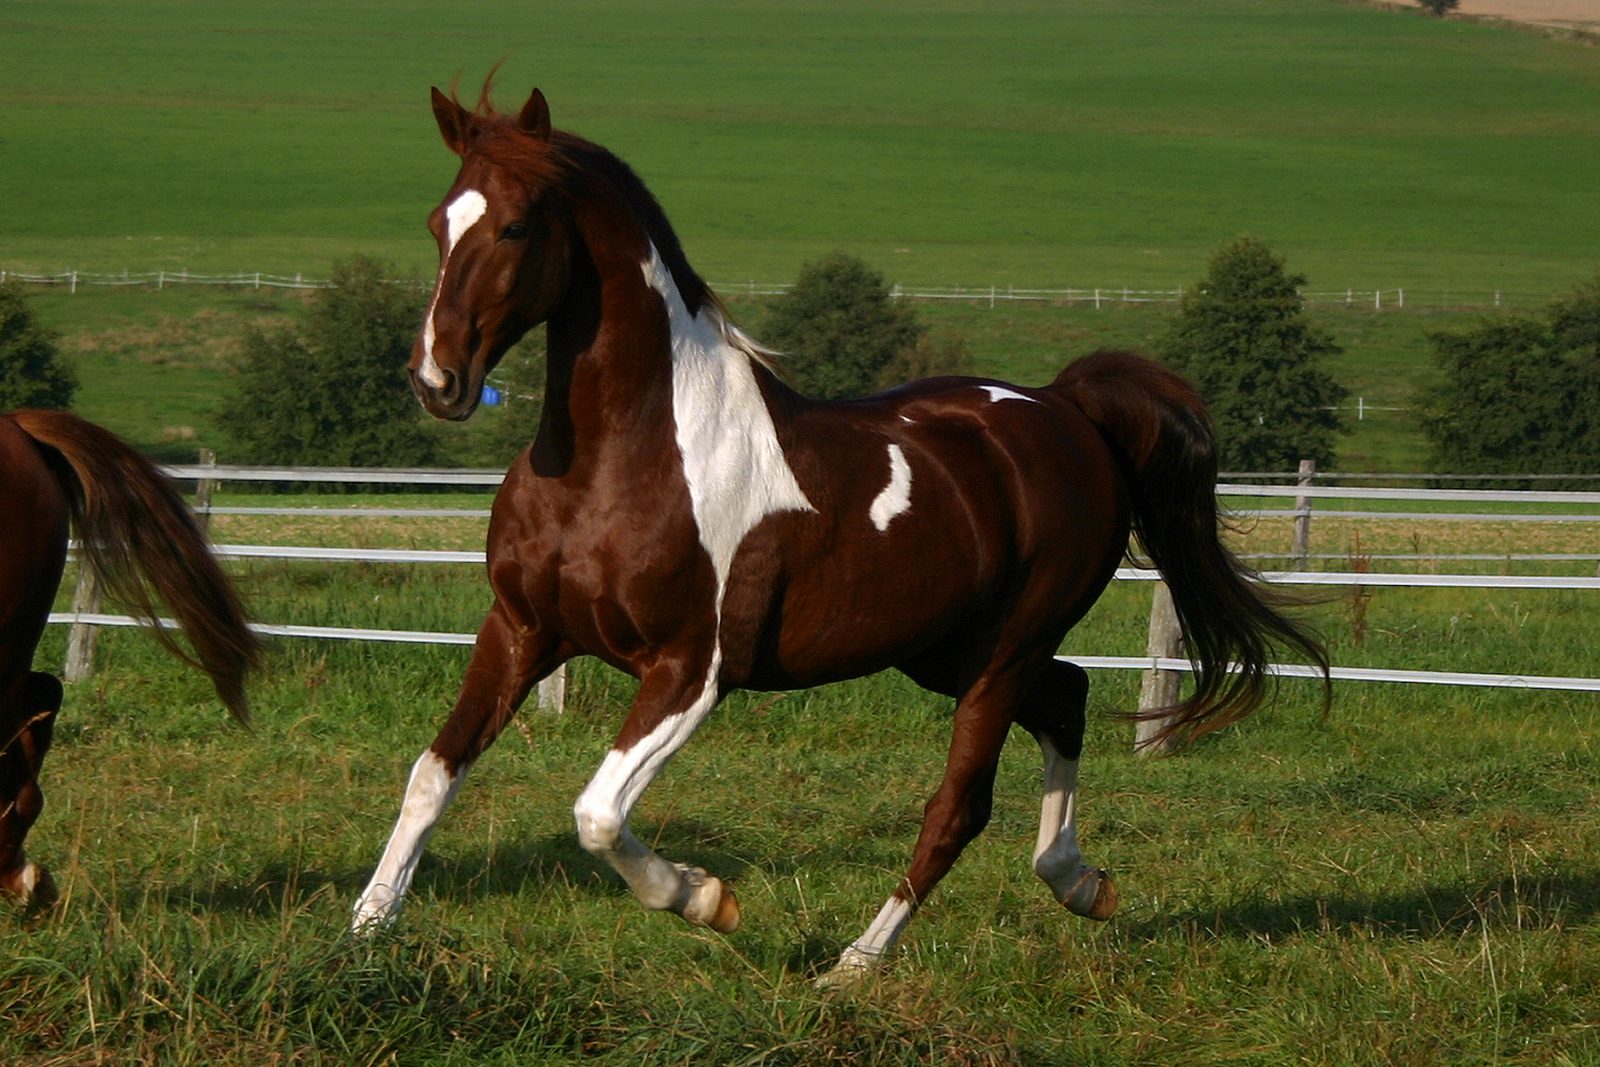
(137, 535)
(1157, 424)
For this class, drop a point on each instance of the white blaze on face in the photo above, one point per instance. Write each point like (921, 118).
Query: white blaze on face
(462, 214)
(896, 496)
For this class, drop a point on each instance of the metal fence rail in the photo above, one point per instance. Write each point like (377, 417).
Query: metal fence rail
(86, 616)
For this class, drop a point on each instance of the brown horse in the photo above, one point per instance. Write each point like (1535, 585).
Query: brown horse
(687, 518)
(57, 469)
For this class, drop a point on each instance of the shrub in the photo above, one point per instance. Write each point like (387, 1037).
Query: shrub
(926, 357)
(334, 394)
(1519, 394)
(32, 374)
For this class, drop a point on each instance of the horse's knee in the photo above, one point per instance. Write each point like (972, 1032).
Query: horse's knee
(599, 827)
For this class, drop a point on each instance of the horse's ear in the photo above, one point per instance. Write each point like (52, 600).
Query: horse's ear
(535, 117)
(455, 122)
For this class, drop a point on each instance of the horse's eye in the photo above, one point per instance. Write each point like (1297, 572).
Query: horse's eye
(516, 231)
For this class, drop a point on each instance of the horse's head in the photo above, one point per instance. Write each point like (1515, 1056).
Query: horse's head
(504, 244)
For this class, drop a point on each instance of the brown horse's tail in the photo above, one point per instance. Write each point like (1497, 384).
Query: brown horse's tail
(1157, 424)
(137, 535)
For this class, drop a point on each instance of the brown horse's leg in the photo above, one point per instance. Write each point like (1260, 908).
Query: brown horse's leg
(1053, 712)
(507, 662)
(673, 700)
(25, 736)
(957, 813)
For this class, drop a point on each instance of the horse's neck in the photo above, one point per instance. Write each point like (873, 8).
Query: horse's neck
(627, 351)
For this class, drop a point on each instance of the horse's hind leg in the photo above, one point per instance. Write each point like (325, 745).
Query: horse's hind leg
(26, 728)
(955, 815)
(506, 663)
(1053, 712)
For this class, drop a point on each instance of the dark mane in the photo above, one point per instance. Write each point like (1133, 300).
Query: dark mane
(567, 161)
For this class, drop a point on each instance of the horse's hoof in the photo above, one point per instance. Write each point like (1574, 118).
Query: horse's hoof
(854, 968)
(374, 911)
(45, 893)
(1099, 907)
(31, 888)
(723, 916)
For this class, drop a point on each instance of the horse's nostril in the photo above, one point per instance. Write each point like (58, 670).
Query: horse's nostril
(451, 389)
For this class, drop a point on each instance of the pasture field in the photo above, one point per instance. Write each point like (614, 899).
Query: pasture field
(1082, 143)
(1411, 879)
(154, 365)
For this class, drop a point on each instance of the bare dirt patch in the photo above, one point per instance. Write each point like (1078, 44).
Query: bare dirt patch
(1581, 15)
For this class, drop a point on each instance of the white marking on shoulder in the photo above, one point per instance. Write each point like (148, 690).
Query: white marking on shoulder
(998, 393)
(896, 496)
(462, 214)
(732, 460)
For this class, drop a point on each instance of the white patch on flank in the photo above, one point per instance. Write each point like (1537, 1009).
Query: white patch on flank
(462, 214)
(896, 496)
(428, 792)
(998, 393)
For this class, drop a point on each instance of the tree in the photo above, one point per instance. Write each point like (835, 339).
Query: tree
(1242, 336)
(839, 328)
(32, 374)
(334, 393)
(1519, 395)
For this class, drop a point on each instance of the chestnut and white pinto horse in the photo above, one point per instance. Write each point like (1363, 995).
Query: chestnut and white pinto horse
(687, 518)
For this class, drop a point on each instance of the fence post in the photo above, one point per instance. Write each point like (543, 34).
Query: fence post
(86, 600)
(204, 488)
(1302, 516)
(1159, 688)
(552, 694)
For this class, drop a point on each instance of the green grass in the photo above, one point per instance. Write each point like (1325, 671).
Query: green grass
(1408, 880)
(1049, 144)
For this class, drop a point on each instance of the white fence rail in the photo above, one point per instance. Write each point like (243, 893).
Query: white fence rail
(1099, 296)
(83, 618)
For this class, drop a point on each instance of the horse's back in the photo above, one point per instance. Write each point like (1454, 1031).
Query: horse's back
(945, 507)
(33, 545)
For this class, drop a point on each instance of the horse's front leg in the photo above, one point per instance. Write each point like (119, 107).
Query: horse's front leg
(26, 728)
(507, 661)
(674, 699)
